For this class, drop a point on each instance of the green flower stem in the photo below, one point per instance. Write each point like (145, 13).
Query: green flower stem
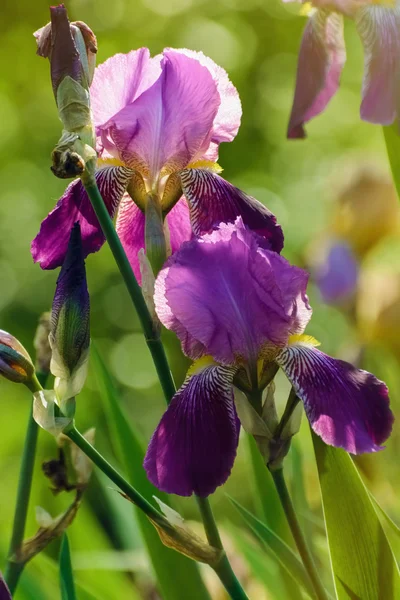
(224, 570)
(150, 333)
(105, 466)
(392, 141)
(301, 544)
(13, 568)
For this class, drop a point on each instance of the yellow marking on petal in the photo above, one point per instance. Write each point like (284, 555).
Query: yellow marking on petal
(306, 9)
(206, 164)
(303, 339)
(388, 3)
(109, 162)
(200, 364)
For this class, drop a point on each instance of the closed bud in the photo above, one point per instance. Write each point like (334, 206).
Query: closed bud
(70, 335)
(15, 362)
(42, 345)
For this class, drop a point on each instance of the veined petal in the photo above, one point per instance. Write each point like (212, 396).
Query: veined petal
(225, 295)
(194, 446)
(120, 80)
(227, 120)
(213, 200)
(130, 228)
(50, 245)
(379, 29)
(321, 59)
(346, 407)
(170, 124)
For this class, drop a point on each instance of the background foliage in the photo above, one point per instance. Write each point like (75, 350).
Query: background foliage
(257, 42)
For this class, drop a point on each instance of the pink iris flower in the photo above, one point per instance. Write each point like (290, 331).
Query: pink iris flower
(159, 122)
(323, 54)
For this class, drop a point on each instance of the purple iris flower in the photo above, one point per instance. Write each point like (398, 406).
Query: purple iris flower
(159, 122)
(337, 276)
(323, 54)
(236, 305)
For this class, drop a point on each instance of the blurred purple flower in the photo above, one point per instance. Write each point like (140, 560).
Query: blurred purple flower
(232, 304)
(155, 119)
(337, 276)
(322, 57)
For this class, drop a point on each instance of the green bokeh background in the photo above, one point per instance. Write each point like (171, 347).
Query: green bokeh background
(257, 42)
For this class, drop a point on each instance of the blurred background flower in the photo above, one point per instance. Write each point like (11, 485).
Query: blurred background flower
(257, 42)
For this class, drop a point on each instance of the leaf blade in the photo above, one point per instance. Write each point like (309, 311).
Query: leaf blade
(67, 584)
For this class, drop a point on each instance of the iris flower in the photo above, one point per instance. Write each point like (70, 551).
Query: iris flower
(323, 54)
(238, 306)
(159, 122)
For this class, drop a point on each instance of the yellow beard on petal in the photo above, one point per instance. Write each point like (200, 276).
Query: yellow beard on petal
(205, 164)
(308, 340)
(200, 364)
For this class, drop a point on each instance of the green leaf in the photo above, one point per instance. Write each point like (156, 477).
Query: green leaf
(285, 555)
(392, 140)
(178, 577)
(66, 575)
(362, 560)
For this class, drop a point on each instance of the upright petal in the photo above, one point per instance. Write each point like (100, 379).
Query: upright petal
(226, 296)
(170, 124)
(227, 120)
(379, 29)
(321, 59)
(212, 201)
(346, 407)
(194, 446)
(120, 80)
(50, 245)
(130, 228)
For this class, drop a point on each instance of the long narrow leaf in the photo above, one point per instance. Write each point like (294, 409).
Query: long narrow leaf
(285, 555)
(392, 140)
(178, 577)
(362, 559)
(67, 584)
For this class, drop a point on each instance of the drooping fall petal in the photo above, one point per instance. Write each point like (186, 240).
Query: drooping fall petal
(50, 245)
(379, 29)
(212, 201)
(321, 59)
(346, 407)
(194, 446)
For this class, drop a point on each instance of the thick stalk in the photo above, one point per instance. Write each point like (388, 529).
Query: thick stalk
(151, 335)
(301, 544)
(13, 568)
(224, 570)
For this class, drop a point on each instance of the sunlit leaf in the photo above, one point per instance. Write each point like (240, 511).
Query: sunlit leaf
(285, 555)
(392, 140)
(362, 559)
(178, 577)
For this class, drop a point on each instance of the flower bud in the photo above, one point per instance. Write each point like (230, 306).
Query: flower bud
(15, 362)
(42, 345)
(70, 336)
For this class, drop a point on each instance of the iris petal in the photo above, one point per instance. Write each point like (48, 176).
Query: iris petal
(50, 245)
(194, 446)
(321, 59)
(346, 407)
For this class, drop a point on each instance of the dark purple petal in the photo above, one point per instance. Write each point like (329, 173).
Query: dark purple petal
(194, 446)
(212, 201)
(50, 245)
(169, 124)
(321, 59)
(226, 296)
(337, 276)
(346, 407)
(4, 591)
(379, 28)
(69, 330)
(130, 228)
